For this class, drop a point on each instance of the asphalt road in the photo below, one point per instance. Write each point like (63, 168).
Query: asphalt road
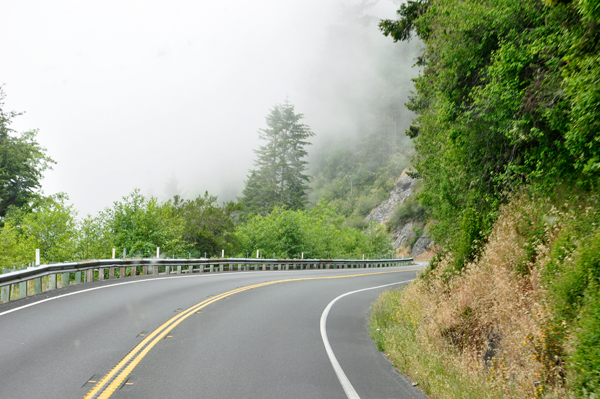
(263, 342)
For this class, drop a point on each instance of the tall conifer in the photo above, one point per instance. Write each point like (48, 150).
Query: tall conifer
(279, 178)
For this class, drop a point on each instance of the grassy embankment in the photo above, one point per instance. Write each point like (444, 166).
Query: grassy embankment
(522, 320)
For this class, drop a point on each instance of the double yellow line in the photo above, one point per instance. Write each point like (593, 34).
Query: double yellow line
(113, 380)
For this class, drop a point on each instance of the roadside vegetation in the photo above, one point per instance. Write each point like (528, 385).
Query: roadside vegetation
(269, 218)
(506, 142)
(506, 147)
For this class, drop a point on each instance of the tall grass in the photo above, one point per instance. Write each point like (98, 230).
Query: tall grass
(521, 321)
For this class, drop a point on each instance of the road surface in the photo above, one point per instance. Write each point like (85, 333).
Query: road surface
(221, 335)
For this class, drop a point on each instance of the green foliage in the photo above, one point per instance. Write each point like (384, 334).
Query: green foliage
(410, 209)
(22, 163)
(279, 178)
(401, 29)
(49, 226)
(318, 233)
(139, 225)
(509, 99)
(95, 239)
(573, 277)
(508, 96)
(356, 182)
(208, 227)
(585, 361)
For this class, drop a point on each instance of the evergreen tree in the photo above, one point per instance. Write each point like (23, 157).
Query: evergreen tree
(278, 178)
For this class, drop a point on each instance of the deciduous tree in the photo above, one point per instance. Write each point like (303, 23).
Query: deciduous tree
(22, 162)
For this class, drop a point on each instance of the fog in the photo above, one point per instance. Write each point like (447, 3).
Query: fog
(168, 96)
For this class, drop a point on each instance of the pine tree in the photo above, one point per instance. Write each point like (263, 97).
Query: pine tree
(278, 178)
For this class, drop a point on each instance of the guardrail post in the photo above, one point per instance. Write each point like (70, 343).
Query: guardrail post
(101, 273)
(22, 290)
(90, 275)
(64, 279)
(133, 271)
(220, 267)
(178, 269)
(52, 282)
(5, 294)
(37, 285)
(144, 270)
(122, 272)
(111, 273)
(77, 277)
(212, 268)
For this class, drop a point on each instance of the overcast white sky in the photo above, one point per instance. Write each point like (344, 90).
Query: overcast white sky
(128, 94)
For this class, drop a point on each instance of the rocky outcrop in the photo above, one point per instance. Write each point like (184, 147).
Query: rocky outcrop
(421, 245)
(403, 236)
(401, 191)
(411, 238)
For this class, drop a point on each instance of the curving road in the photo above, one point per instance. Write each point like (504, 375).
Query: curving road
(180, 337)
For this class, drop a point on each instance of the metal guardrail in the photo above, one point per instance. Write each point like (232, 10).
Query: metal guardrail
(22, 283)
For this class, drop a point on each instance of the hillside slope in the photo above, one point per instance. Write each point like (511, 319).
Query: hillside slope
(523, 320)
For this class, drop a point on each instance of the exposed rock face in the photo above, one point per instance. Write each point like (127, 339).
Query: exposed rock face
(406, 234)
(401, 191)
(421, 245)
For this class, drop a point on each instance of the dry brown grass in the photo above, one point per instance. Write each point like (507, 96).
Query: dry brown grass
(490, 321)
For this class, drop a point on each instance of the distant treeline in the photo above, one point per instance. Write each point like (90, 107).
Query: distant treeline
(269, 218)
(137, 225)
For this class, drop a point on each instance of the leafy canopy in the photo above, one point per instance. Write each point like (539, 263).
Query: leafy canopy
(318, 233)
(22, 162)
(508, 96)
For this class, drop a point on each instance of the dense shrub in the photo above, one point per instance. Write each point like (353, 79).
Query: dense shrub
(318, 233)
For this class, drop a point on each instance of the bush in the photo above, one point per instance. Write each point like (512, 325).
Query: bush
(410, 209)
(318, 233)
(585, 362)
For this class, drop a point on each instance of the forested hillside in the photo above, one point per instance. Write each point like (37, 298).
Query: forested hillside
(507, 142)
(363, 148)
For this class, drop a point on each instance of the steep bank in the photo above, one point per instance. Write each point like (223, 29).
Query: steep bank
(523, 320)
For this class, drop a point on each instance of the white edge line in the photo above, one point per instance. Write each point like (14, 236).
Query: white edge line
(348, 388)
(124, 283)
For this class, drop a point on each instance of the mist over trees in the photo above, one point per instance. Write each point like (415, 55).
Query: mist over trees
(279, 178)
(361, 148)
(275, 221)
